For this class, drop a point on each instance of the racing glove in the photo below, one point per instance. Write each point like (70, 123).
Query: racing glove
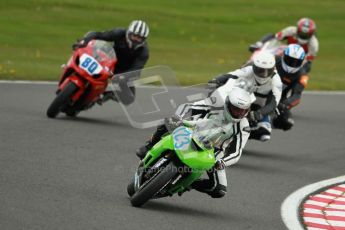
(255, 116)
(282, 107)
(173, 122)
(220, 164)
(79, 44)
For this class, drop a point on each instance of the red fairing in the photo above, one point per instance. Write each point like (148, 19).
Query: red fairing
(293, 40)
(88, 68)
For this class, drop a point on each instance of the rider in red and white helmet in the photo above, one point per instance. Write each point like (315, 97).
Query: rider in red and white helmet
(306, 28)
(304, 34)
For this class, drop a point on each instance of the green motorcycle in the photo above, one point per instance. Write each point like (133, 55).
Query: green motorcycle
(175, 162)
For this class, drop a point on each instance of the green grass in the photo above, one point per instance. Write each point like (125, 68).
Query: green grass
(198, 39)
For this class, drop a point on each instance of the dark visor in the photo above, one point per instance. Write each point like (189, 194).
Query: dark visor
(292, 62)
(303, 35)
(261, 72)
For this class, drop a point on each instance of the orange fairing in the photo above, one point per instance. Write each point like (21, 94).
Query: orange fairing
(304, 80)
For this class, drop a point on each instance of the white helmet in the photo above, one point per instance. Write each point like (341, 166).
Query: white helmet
(237, 104)
(293, 58)
(137, 33)
(263, 66)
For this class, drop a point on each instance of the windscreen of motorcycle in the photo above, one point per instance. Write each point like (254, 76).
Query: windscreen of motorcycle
(212, 132)
(103, 50)
(102, 53)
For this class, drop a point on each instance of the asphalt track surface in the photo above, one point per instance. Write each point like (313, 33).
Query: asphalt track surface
(69, 173)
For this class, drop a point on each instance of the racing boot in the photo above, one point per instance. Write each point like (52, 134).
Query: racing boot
(106, 96)
(260, 134)
(141, 152)
(216, 185)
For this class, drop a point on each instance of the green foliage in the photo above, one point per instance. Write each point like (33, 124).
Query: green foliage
(197, 38)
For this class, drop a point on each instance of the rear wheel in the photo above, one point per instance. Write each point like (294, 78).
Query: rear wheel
(61, 100)
(160, 179)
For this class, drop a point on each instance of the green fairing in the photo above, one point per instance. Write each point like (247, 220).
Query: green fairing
(155, 152)
(198, 161)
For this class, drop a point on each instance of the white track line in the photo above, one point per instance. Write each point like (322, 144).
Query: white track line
(290, 206)
(316, 92)
(28, 82)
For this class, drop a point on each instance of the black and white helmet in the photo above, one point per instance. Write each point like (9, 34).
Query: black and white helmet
(137, 34)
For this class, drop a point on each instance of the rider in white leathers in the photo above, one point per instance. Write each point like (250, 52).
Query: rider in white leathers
(267, 90)
(231, 148)
(228, 108)
(230, 140)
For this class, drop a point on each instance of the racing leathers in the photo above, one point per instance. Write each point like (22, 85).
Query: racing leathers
(231, 141)
(293, 86)
(128, 60)
(289, 34)
(267, 99)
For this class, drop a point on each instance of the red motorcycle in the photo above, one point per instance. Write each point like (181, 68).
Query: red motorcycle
(273, 46)
(84, 79)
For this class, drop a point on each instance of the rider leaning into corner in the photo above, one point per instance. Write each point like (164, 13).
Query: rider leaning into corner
(289, 68)
(229, 107)
(132, 53)
(267, 90)
(303, 34)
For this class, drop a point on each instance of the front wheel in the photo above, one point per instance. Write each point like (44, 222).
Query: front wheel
(130, 188)
(61, 99)
(160, 179)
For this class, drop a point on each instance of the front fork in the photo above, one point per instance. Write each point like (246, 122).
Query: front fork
(81, 84)
(143, 175)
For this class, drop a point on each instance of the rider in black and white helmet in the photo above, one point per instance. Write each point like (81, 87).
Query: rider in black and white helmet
(136, 34)
(131, 50)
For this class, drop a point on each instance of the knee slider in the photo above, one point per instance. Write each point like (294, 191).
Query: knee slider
(218, 192)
